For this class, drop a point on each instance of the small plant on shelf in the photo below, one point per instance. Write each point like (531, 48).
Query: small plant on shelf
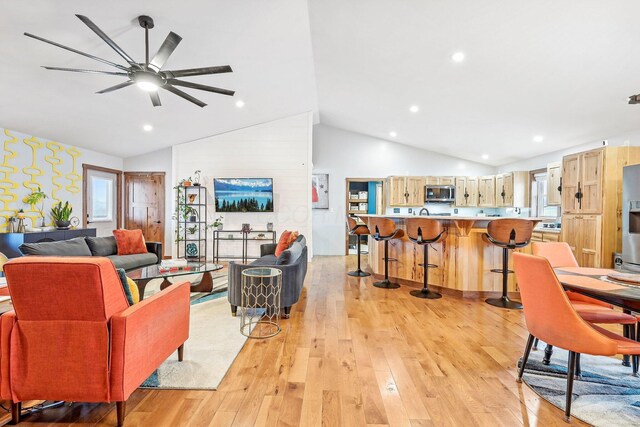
(192, 229)
(61, 215)
(217, 223)
(35, 198)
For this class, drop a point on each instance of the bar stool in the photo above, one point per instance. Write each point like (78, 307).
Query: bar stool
(383, 230)
(424, 232)
(357, 230)
(507, 234)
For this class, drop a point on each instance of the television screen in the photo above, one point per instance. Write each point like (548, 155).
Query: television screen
(243, 194)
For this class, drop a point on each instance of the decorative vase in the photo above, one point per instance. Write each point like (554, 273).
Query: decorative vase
(269, 226)
(196, 184)
(219, 227)
(191, 250)
(62, 225)
(186, 184)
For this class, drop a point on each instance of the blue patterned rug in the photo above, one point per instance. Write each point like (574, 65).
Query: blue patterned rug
(607, 394)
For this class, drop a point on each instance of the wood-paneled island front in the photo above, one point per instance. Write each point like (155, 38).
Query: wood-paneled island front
(464, 260)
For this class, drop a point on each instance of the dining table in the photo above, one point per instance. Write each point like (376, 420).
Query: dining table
(616, 287)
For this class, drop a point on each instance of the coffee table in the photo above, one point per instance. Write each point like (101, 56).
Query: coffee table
(144, 275)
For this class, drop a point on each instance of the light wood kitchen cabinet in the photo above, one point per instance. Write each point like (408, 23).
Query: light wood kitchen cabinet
(431, 180)
(512, 190)
(583, 233)
(466, 191)
(406, 190)
(486, 191)
(582, 182)
(544, 236)
(554, 183)
(446, 180)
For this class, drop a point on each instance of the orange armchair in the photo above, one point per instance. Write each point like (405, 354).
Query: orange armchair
(72, 335)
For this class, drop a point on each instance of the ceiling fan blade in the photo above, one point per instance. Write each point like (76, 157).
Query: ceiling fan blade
(108, 40)
(70, 49)
(184, 95)
(80, 70)
(116, 87)
(155, 99)
(198, 71)
(168, 46)
(191, 85)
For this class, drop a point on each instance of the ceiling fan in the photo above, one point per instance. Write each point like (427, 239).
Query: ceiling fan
(147, 75)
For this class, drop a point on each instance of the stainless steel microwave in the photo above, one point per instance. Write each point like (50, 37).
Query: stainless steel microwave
(440, 194)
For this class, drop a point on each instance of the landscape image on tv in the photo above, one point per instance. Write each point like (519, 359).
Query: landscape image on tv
(243, 194)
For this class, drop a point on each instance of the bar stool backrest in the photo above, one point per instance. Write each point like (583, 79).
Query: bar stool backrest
(511, 233)
(424, 230)
(355, 228)
(381, 228)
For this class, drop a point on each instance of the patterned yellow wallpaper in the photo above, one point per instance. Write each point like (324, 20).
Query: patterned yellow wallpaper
(28, 163)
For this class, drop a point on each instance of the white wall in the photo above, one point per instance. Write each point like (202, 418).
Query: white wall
(540, 162)
(280, 150)
(158, 161)
(343, 154)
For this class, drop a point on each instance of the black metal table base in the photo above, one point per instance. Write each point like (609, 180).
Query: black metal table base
(358, 273)
(425, 294)
(386, 284)
(504, 302)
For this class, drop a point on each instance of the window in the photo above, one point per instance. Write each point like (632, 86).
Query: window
(539, 197)
(101, 199)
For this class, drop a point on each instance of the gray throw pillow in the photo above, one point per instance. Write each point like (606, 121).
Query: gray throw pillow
(71, 247)
(102, 246)
(291, 255)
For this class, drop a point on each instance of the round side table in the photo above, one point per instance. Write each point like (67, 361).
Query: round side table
(260, 302)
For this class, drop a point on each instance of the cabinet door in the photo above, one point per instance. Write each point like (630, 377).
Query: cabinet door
(486, 190)
(472, 189)
(554, 195)
(508, 190)
(590, 251)
(499, 190)
(397, 191)
(431, 180)
(446, 180)
(591, 165)
(570, 232)
(570, 179)
(462, 196)
(415, 188)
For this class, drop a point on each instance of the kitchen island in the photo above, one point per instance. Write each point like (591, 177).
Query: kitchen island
(464, 260)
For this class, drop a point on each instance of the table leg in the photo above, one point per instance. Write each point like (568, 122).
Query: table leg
(205, 284)
(141, 284)
(165, 284)
(626, 359)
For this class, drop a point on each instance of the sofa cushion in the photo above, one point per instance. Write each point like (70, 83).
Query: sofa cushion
(302, 240)
(125, 285)
(130, 242)
(265, 260)
(71, 247)
(102, 246)
(283, 243)
(130, 262)
(291, 255)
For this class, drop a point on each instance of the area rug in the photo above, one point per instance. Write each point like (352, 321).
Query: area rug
(606, 395)
(214, 342)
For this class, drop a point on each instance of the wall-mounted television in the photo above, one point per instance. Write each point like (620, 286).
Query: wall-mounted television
(243, 194)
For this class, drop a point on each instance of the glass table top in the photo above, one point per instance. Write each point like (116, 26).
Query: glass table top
(155, 271)
(261, 272)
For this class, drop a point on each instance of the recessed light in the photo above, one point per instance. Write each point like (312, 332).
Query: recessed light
(485, 156)
(457, 57)
(393, 134)
(414, 108)
(148, 128)
(538, 138)
(239, 103)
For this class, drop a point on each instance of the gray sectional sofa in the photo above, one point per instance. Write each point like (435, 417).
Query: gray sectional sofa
(292, 262)
(96, 246)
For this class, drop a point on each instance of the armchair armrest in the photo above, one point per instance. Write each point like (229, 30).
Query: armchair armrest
(155, 248)
(145, 335)
(268, 249)
(7, 322)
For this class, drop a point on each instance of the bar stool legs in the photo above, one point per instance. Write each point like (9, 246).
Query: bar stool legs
(425, 292)
(386, 283)
(359, 272)
(504, 301)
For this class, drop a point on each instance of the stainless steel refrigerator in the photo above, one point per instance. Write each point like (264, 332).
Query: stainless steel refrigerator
(631, 217)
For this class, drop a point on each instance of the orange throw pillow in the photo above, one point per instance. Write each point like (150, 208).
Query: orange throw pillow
(130, 242)
(283, 243)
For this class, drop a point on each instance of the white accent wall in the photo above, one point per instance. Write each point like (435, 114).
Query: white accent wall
(343, 154)
(279, 149)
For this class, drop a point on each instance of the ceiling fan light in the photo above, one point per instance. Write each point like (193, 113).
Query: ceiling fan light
(148, 86)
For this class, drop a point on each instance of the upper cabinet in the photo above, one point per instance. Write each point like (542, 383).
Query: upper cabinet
(406, 190)
(440, 180)
(582, 182)
(486, 191)
(512, 190)
(466, 191)
(554, 184)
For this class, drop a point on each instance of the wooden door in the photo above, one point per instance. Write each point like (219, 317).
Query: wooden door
(461, 192)
(554, 195)
(486, 191)
(446, 180)
(144, 204)
(591, 165)
(397, 191)
(415, 188)
(570, 179)
(590, 229)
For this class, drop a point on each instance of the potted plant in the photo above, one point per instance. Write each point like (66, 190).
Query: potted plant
(217, 223)
(190, 213)
(35, 198)
(196, 180)
(61, 215)
(192, 229)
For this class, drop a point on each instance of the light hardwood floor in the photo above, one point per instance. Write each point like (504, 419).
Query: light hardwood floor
(355, 355)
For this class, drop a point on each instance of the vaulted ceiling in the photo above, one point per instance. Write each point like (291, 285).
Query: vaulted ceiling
(559, 70)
